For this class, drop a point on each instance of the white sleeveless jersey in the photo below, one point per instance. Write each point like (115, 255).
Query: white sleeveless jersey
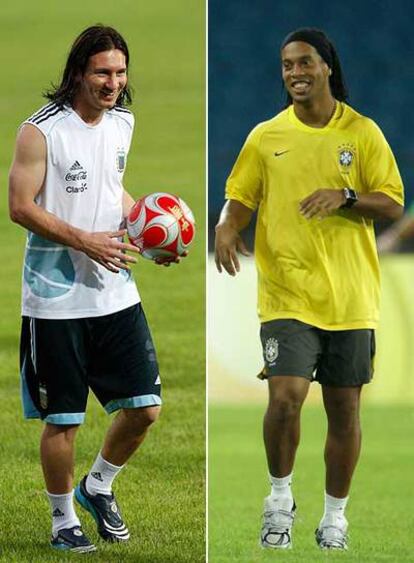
(83, 187)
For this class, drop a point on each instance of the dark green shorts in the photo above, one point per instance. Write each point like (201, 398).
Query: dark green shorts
(337, 358)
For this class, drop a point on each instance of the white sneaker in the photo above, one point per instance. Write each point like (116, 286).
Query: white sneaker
(331, 533)
(277, 525)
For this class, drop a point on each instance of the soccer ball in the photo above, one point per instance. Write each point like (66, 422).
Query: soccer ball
(161, 225)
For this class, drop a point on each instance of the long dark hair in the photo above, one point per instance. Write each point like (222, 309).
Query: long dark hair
(326, 49)
(91, 41)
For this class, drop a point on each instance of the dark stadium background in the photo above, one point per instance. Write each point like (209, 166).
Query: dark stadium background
(375, 43)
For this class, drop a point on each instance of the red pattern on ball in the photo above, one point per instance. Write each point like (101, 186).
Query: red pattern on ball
(161, 224)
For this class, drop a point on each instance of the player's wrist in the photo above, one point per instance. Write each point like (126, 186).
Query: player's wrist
(81, 240)
(350, 198)
(230, 224)
(225, 226)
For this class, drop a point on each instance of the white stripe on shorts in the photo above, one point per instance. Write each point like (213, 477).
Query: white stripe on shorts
(33, 343)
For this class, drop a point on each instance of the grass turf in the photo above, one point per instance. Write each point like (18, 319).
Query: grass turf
(161, 491)
(380, 506)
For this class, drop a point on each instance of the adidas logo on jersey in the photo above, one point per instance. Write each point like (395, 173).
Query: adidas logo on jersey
(96, 475)
(78, 177)
(76, 166)
(57, 513)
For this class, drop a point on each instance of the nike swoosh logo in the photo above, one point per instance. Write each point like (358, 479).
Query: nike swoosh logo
(279, 153)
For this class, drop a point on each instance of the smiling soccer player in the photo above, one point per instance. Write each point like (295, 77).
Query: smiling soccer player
(83, 324)
(318, 173)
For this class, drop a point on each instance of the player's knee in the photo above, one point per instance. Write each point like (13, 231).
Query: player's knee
(343, 417)
(150, 415)
(142, 418)
(65, 432)
(285, 408)
(343, 408)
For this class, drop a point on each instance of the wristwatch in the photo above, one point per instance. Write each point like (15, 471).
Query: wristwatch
(351, 197)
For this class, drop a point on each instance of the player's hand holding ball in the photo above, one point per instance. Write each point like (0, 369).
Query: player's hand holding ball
(162, 227)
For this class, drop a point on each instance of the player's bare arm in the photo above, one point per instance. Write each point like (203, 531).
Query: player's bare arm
(26, 179)
(375, 205)
(234, 218)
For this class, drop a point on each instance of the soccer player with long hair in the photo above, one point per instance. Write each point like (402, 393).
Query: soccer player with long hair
(83, 324)
(318, 173)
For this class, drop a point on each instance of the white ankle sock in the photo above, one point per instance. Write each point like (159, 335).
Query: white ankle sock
(101, 476)
(334, 507)
(63, 512)
(281, 488)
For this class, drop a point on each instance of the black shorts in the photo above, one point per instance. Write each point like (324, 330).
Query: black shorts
(337, 358)
(61, 359)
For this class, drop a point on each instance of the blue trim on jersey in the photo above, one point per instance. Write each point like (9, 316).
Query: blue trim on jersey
(48, 268)
(65, 418)
(29, 408)
(133, 403)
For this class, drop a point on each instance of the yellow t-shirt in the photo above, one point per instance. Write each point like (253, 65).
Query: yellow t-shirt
(322, 272)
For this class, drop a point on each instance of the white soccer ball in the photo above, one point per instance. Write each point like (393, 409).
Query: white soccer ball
(161, 225)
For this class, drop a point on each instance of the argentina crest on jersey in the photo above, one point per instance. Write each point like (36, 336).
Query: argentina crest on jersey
(120, 159)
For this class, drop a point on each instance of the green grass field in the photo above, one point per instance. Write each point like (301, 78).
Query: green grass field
(161, 491)
(380, 506)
